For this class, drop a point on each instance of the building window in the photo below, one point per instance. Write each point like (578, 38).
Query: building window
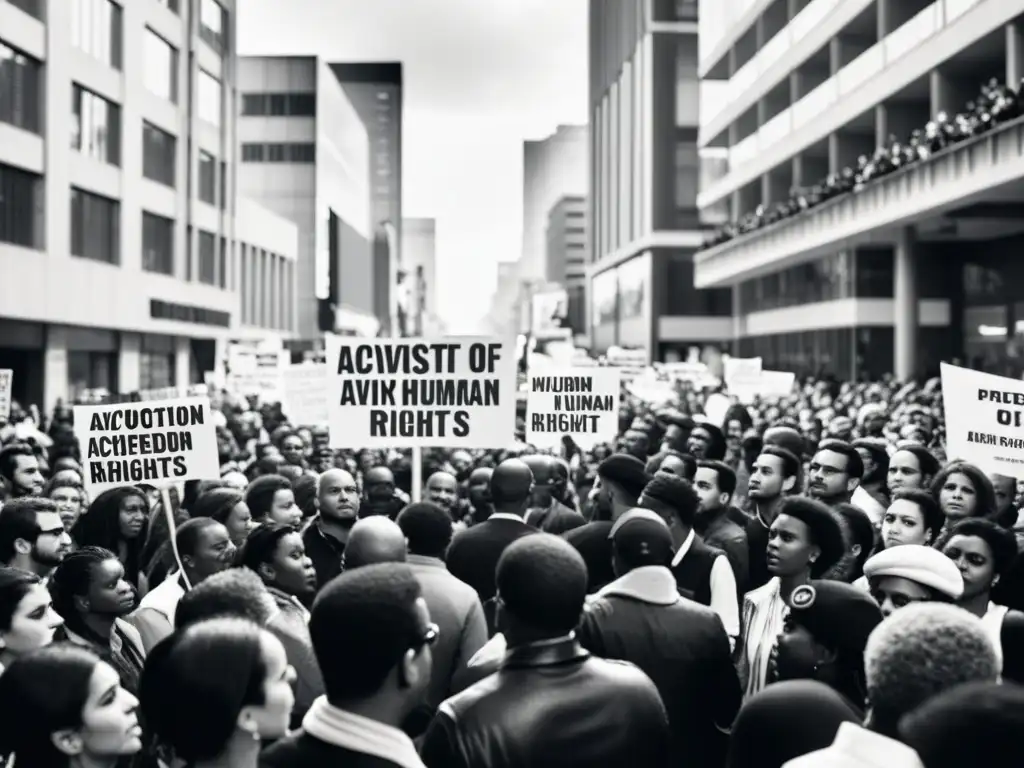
(33, 8)
(20, 89)
(157, 362)
(213, 25)
(157, 244)
(96, 30)
(95, 227)
(159, 154)
(21, 208)
(91, 370)
(207, 178)
(252, 153)
(223, 185)
(207, 258)
(209, 98)
(160, 67)
(96, 126)
(275, 153)
(278, 104)
(301, 153)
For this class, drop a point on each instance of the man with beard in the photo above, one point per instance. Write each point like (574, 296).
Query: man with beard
(327, 534)
(379, 496)
(19, 471)
(32, 535)
(715, 483)
(776, 474)
(835, 472)
(480, 494)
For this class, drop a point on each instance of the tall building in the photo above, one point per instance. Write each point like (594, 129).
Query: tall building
(552, 168)
(503, 317)
(375, 89)
(419, 273)
(120, 240)
(568, 256)
(917, 266)
(644, 171)
(306, 155)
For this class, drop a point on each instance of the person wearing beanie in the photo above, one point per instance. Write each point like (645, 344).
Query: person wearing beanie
(912, 656)
(825, 635)
(620, 481)
(958, 727)
(803, 543)
(707, 441)
(912, 573)
(702, 573)
(984, 551)
(682, 646)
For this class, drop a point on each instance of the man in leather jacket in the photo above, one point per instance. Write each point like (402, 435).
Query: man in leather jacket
(550, 702)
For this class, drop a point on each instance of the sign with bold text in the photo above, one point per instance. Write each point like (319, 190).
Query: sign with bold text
(984, 419)
(581, 403)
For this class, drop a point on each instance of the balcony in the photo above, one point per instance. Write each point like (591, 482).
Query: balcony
(916, 47)
(985, 167)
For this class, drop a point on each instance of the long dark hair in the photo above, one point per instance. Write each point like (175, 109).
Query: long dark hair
(101, 527)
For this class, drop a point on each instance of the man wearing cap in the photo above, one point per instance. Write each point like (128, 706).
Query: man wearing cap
(681, 645)
(620, 481)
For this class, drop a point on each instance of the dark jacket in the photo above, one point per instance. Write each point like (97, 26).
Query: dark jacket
(556, 519)
(325, 551)
(473, 554)
(720, 532)
(592, 542)
(681, 646)
(693, 572)
(552, 705)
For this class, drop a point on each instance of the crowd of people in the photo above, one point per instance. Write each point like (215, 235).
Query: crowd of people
(809, 583)
(996, 104)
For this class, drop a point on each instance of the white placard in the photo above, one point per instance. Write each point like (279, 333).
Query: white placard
(770, 385)
(167, 441)
(582, 403)
(742, 372)
(984, 419)
(6, 384)
(453, 392)
(305, 393)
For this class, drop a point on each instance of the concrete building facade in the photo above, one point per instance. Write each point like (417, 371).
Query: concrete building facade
(305, 155)
(419, 274)
(119, 244)
(644, 174)
(917, 267)
(568, 254)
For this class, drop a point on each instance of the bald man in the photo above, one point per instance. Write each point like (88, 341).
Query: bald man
(546, 512)
(327, 534)
(379, 496)
(443, 489)
(473, 554)
(375, 540)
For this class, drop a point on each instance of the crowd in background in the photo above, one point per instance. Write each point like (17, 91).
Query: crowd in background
(808, 581)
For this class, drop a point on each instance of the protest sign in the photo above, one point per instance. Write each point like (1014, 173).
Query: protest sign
(769, 385)
(166, 441)
(984, 419)
(455, 392)
(6, 383)
(256, 371)
(582, 403)
(741, 372)
(305, 393)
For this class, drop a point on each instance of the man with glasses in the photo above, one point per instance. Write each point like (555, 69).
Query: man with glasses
(32, 535)
(372, 636)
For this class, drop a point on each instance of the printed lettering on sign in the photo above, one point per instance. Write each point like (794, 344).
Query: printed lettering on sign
(395, 393)
(305, 393)
(984, 419)
(159, 442)
(581, 403)
(6, 384)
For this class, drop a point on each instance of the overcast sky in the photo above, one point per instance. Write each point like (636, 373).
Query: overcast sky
(480, 76)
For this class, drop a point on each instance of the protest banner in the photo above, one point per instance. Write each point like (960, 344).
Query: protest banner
(255, 371)
(159, 442)
(984, 419)
(582, 403)
(770, 385)
(454, 392)
(305, 393)
(741, 372)
(6, 384)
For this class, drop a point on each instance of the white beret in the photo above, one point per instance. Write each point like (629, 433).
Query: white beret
(920, 564)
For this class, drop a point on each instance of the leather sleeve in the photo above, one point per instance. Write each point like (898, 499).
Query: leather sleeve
(441, 747)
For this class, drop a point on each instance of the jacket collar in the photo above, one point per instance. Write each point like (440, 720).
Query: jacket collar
(348, 730)
(430, 562)
(545, 653)
(653, 584)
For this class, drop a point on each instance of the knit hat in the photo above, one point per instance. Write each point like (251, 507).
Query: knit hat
(839, 616)
(626, 471)
(920, 564)
(642, 537)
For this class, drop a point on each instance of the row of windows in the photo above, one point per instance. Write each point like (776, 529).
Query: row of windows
(279, 104)
(291, 152)
(20, 90)
(267, 284)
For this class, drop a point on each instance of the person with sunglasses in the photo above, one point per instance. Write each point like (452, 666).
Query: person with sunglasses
(372, 636)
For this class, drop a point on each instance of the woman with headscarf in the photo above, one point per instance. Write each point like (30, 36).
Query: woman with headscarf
(784, 721)
(804, 541)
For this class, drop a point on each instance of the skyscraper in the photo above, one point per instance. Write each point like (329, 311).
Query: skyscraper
(419, 272)
(568, 256)
(375, 89)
